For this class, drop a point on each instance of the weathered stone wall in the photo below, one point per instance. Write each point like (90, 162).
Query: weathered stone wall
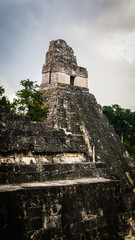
(26, 142)
(75, 210)
(22, 173)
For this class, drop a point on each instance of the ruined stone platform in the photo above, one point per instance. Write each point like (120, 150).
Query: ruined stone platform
(64, 209)
(22, 173)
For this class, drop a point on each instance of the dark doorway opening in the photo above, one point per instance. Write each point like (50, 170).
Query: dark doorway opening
(72, 78)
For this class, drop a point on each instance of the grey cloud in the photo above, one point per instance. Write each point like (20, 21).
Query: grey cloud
(118, 15)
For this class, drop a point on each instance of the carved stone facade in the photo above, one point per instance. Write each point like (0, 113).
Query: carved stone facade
(61, 67)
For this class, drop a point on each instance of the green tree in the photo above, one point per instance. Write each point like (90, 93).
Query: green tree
(30, 102)
(123, 121)
(4, 102)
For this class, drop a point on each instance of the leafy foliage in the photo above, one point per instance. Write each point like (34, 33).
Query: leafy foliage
(29, 102)
(123, 121)
(4, 102)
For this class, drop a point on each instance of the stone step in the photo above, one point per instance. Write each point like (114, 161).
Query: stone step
(56, 183)
(15, 173)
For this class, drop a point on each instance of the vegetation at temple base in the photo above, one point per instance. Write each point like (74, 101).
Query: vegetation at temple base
(123, 121)
(3, 99)
(28, 102)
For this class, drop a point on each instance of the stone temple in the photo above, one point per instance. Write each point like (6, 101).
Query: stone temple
(61, 67)
(69, 178)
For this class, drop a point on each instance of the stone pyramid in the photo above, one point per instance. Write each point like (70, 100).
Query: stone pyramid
(69, 178)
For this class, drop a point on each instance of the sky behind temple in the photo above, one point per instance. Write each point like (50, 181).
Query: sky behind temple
(101, 33)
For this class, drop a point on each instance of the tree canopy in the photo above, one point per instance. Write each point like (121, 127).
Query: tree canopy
(3, 99)
(123, 121)
(28, 102)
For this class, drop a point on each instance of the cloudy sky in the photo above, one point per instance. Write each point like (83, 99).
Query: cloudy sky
(101, 33)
